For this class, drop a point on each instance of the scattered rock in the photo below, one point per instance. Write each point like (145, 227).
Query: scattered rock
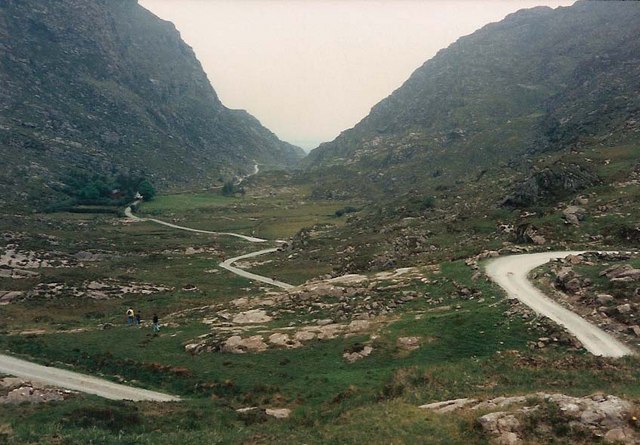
(251, 317)
(7, 297)
(190, 287)
(621, 273)
(239, 345)
(283, 340)
(503, 425)
(605, 298)
(21, 391)
(448, 405)
(408, 343)
(304, 336)
(355, 356)
(598, 415)
(278, 413)
(619, 435)
(624, 308)
(573, 215)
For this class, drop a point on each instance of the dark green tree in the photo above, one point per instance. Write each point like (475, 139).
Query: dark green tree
(228, 189)
(146, 190)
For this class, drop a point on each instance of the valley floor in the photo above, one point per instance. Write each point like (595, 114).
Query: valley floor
(324, 361)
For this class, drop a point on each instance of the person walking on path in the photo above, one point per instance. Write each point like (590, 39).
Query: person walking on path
(130, 316)
(156, 325)
(138, 318)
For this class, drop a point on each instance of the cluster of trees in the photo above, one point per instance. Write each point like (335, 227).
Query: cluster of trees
(83, 188)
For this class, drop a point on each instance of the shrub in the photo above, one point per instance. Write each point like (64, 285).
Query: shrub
(345, 210)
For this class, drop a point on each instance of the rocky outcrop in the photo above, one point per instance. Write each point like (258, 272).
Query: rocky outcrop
(509, 90)
(614, 304)
(15, 391)
(598, 416)
(556, 182)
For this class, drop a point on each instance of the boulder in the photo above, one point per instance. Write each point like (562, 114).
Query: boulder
(408, 343)
(31, 394)
(574, 259)
(573, 215)
(448, 405)
(304, 336)
(239, 345)
(605, 298)
(617, 272)
(278, 413)
(619, 436)
(283, 340)
(251, 317)
(352, 357)
(624, 308)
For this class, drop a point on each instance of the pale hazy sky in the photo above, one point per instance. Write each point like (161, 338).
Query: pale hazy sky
(309, 69)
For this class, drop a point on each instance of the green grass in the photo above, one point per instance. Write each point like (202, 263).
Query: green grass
(471, 349)
(275, 218)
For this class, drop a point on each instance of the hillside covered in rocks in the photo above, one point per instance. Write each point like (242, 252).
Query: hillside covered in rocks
(542, 80)
(107, 87)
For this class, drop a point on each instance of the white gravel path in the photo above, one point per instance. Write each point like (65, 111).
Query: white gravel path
(129, 214)
(78, 382)
(510, 272)
(228, 264)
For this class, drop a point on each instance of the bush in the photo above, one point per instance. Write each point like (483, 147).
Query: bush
(146, 190)
(428, 202)
(345, 210)
(230, 189)
(121, 417)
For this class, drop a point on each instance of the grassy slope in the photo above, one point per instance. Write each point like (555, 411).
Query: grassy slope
(334, 402)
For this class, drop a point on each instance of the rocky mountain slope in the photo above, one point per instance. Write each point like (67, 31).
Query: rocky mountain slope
(107, 87)
(539, 80)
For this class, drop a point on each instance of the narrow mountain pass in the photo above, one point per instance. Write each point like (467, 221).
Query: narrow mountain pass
(510, 273)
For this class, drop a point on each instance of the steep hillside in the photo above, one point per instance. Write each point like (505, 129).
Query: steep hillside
(107, 87)
(539, 80)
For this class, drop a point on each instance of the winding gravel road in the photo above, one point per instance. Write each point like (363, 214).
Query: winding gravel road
(129, 214)
(228, 264)
(510, 273)
(92, 385)
(78, 382)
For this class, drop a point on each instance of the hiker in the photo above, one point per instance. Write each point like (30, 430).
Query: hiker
(130, 316)
(156, 325)
(138, 318)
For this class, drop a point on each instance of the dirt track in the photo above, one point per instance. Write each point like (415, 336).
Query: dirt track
(510, 272)
(228, 264)
(78, 382)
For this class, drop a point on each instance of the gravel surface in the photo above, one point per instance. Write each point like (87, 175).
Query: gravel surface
(79, 382)
(510, 272)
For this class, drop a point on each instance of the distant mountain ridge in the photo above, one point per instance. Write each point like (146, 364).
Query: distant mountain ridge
(105, 86)
(539, 80)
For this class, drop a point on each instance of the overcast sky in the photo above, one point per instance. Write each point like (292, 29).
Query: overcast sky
(309, 69)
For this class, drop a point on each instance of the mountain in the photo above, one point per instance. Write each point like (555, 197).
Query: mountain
(107, 87)
(539, 81)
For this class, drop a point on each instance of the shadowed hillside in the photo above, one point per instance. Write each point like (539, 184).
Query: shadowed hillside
(539, 80)
(107, 87)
